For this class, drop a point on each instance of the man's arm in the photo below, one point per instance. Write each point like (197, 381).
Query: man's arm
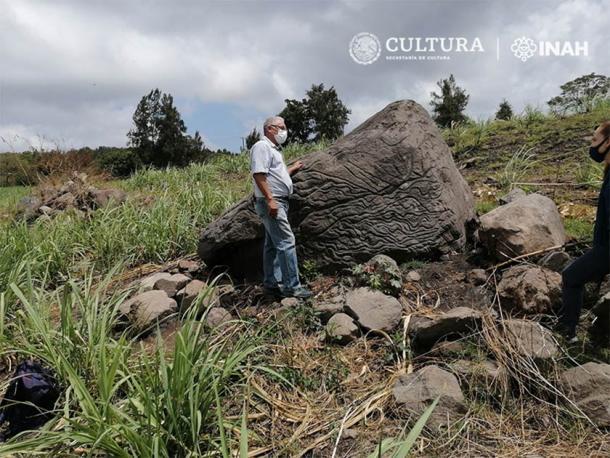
(261, 181)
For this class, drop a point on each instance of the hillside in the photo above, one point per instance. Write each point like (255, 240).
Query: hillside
(269, 381)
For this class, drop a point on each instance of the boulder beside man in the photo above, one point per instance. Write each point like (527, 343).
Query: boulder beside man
(272, 189)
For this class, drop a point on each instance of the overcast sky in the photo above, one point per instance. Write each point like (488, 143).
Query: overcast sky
(72, 72)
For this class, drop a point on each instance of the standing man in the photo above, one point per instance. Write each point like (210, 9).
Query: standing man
(272, 188)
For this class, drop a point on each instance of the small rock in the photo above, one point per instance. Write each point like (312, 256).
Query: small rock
(341, 328)
(416, 391)
(529, 289)
(64, 201)
(413, 275)
(189, 266)
(172, 284)
(146, 308)
(555, 260)
(45, 210)
(290, 302)
(189, 293)
(513, 194)
(373, 310)
(477, 276)
(589, 387)
(148, 283)
(485, 373)
(523, 226)
(530, 339)
(459, 320)
(327, 309)
(217, 316)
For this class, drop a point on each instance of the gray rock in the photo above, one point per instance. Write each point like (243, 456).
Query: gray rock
(327, 309)
(217, 316)
(511, 196)
(290, 302)
(523, 226)
(189, 293)
(373, 310)
(412, 275)
(189, 266)
(530, 339)
(529, 289)
(148, 283)
(415, 392)
(555, 260)
(172, 284)
(389, 186)
(484, 372)
(46, 210)
(64, 201)
(589, 387)
(146, 308)
(459, 320)
(341, 328)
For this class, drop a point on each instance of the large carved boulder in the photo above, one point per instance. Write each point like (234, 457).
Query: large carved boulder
(388, 187)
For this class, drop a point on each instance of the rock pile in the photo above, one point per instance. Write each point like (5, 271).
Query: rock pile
(76, 194)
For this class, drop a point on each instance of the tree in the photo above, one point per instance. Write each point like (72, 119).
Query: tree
(252, 138)
(448, 106)
(505, 111)
(320, 115)
(159, 134)
(580, 94)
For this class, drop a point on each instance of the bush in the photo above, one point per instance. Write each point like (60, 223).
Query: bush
(120, 162)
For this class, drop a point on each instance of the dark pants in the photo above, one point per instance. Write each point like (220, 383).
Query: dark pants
(590, 267)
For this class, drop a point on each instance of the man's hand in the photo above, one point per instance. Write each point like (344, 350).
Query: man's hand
(273, 207)
(298, 165)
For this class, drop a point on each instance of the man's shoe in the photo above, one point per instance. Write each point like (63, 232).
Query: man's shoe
(572, 340)
(272, 293)
(300, 293)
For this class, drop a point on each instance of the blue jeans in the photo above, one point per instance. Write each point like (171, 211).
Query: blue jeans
(279, 253)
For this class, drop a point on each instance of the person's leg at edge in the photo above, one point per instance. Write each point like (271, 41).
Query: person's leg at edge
(591, 266)
(271, 271)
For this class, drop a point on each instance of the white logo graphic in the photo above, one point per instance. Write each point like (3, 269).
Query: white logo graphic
(523, 48)
(365, 48)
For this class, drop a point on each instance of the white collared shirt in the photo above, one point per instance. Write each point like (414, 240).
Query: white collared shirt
(265, 157)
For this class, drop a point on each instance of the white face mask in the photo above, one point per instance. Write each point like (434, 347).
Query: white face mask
(281, 136)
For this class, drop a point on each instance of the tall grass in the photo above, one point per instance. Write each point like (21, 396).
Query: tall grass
(517, 167)
(119, 399)
(162, 220)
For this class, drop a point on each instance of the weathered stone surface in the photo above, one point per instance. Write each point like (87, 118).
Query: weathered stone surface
(529, 289)
(189, 266)
(484, 376)
(290, 302)
(530, 339)
(447, 348)
(341, 328)
(172, 284)
(189, 293)
(589, 387)
(459, 320)
(373, 310)
(523, 226)
(511, 196)
(217, 316)
(327, 309)
(413, 275)
(148, 283)
(146, 308)
(390, 186)
(415, 392)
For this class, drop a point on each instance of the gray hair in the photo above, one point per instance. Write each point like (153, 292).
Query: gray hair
(271, 120)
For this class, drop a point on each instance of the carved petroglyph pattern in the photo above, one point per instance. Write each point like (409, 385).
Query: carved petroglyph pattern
(390, 186)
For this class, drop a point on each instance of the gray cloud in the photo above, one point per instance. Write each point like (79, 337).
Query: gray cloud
(74, 71)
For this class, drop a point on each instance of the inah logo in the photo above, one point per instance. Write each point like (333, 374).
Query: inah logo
(523, 48)
(365, 48)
